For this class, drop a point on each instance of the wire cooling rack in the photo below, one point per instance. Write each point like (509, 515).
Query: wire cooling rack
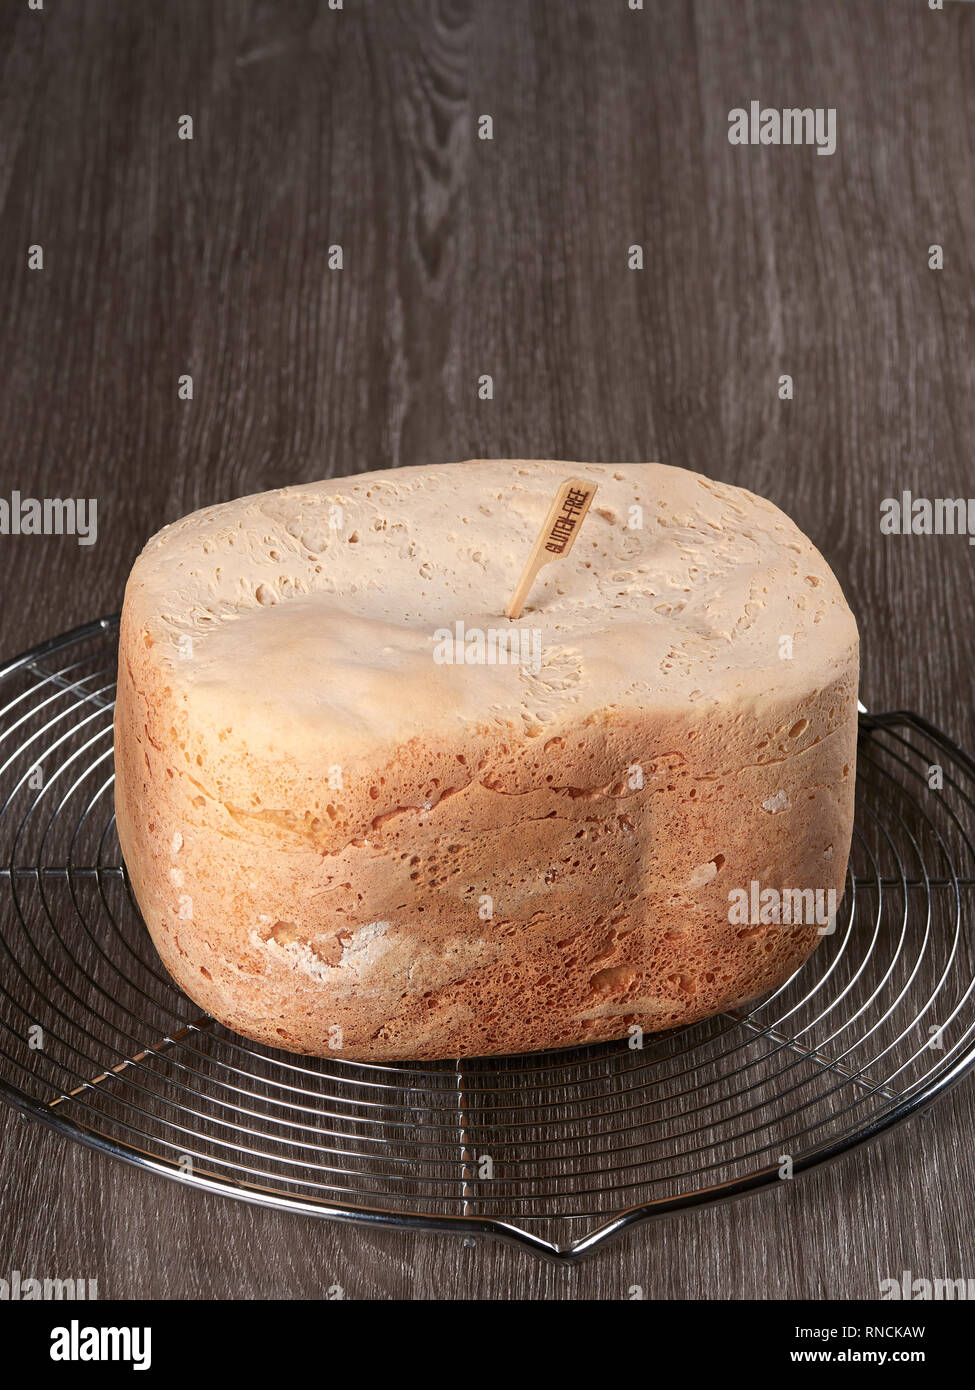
(557, 1152)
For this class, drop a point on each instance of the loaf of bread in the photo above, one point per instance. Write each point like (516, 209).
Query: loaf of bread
(366, 815)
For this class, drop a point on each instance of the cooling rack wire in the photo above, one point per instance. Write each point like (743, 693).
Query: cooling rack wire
(583, 1143)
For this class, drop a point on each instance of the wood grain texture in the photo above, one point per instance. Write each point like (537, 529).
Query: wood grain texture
(507, 257)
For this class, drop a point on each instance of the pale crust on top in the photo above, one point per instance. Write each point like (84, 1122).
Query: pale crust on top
(336, 839)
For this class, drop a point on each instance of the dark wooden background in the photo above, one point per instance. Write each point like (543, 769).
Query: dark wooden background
(508, 257)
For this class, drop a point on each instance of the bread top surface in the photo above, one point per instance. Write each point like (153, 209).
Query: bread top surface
(316, 629)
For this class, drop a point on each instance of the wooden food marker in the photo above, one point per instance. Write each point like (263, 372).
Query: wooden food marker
(556, 538)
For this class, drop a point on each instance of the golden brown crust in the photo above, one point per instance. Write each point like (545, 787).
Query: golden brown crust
(501, 889)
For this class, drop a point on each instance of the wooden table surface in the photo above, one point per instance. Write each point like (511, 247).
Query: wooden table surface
(315, 127)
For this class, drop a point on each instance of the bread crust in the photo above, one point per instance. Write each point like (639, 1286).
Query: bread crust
(501, 888)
